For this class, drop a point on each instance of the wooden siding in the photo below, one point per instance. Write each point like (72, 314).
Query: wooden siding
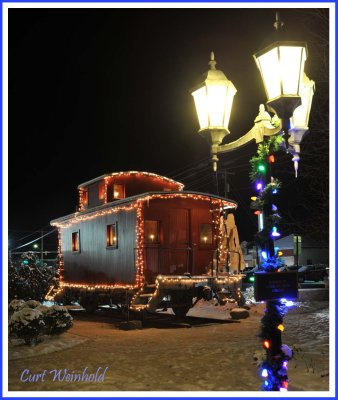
(95, 263)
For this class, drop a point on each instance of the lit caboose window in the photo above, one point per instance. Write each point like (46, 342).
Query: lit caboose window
(84, 197)
(112, 236)
(151, 231)
(206, 233)
(118, 191)
(101, 191)
(75, 241)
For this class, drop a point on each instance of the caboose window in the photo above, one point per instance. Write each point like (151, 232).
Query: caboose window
(151, 231)
(84, 197)
(75, 241)
(206, 233)
(118, 191)
(101, 191)
(112, 236)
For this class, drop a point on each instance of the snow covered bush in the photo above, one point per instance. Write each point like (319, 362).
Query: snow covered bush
(27, 324)
(28, 278)
(31, 304)
(42, 308)
(249, 295)
(57, 319)
(15, 305)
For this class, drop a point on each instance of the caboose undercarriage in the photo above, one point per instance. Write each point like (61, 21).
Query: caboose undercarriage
(179, 292)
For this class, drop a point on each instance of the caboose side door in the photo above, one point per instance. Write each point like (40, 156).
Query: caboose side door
(180, 256)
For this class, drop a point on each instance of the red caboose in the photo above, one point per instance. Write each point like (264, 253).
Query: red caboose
(141, 232)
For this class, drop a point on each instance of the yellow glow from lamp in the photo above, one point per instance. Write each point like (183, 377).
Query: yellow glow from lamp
(281, 66)
(213, 99)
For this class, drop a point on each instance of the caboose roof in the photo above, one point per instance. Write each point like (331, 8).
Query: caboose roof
(133, 173)
(119, 204)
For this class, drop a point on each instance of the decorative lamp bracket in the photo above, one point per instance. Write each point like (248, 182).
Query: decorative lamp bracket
(262, 127)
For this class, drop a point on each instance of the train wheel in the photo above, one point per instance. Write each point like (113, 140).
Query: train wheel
(181, 302)
(181, 311)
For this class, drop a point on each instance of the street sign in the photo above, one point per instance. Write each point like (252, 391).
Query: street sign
(276, 285)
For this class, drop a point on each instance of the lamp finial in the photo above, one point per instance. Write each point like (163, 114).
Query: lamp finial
(212, 61)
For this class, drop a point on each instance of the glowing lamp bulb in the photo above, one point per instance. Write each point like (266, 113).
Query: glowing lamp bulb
(253, 198)
(259, 186)
(280, 327)
(271, 158)
(274, 191)
(265, 373)
(261, 168)
(252, 279)
(285, 364)
(264, 255)
(152, 237)
(280, 253)
(266, 344)
(35, 245)
(116, 194)
(257, 212)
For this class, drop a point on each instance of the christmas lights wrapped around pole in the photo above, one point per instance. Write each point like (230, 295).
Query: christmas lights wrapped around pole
(274, 368)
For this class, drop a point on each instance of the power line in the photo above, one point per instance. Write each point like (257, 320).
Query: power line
(42, 236)
(33, 233)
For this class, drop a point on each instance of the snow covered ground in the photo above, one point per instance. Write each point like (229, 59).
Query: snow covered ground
(213, 357)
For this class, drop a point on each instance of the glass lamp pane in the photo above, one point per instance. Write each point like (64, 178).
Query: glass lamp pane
(269, 67)
(200, 98)
(292, 61)
(301, 114)
(216, 104)
(228, 104)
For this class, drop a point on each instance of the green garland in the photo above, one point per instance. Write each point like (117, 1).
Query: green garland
(268, 146)
(264, 149)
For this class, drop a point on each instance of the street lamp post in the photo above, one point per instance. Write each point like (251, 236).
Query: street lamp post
(289, 96)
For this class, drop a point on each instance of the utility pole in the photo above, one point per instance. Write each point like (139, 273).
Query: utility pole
(226, 184)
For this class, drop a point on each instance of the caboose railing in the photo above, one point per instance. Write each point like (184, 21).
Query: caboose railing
(166, 260)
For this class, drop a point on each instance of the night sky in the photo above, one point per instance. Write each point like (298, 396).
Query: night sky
(105, 90)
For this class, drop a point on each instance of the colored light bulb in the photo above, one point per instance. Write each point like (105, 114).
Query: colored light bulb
(274, 232)
(259, 185)
(280, 327)
(266, 344)
(285, 384)
(265, 373)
